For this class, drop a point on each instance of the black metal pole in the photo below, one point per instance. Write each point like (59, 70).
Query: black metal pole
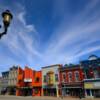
(3, 33)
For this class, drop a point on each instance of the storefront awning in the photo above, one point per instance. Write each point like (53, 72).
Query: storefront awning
(71, 87)
(25, 87)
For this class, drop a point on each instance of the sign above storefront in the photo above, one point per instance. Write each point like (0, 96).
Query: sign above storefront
(27, 80)
(97, 84)
(88, 86)
(92, 85)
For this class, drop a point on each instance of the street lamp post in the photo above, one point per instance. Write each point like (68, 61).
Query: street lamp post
(7, 17)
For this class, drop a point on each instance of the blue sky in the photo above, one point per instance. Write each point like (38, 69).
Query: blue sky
(45, 32)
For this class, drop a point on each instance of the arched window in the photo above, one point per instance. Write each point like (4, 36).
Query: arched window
(63, 77)
(96, 74)
(70, 76)
(76, 76)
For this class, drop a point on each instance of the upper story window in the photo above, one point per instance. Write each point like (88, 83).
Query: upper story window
(56, 77)
(19, 72)
(96, 74)
(50, 77)
(37, 79)
(44, 78)
(63, 77)
(87, 74)
(76, 76)
(70, 76)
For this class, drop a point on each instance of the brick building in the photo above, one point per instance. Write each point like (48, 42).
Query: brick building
(71, 78)
(55, 80)
(92, 76)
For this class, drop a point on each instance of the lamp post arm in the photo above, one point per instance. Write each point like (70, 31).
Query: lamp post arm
(3, 33)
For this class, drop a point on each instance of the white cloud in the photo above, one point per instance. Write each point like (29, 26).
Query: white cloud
(88, 50)
(21, 17)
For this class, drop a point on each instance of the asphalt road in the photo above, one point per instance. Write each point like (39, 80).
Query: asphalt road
(5, 97)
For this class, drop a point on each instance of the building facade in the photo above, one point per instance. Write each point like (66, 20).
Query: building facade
(82, 80)
(0, 85)
(20, 82)
(71, 78)
(29, 82)
(92, 76)
(24, 85)
(13, 72)
(50, 80)
(37, 83)
(5, 78)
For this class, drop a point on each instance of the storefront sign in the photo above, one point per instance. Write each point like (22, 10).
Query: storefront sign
(92, 85)
(27, 80)
(97, 84)
(88, 86)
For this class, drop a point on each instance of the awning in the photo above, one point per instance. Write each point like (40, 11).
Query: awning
(25, 87)
(71, 87)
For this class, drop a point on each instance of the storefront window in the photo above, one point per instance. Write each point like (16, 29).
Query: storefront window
(87, 74)
(88, 92)
(96, 74)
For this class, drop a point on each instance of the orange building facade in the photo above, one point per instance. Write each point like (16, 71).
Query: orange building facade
(29, 82)
(37, 83)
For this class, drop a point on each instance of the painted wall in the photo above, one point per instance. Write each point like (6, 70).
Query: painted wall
(37, 74)
(13, 73)
(53, 68)
(37, 83)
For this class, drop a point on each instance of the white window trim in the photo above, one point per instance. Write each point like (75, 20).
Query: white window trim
(63, 80)
(68, 77)
(75, 76)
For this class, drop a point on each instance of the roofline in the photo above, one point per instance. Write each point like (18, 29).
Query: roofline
(5, 72)
(89, 60)
(69, 68)
(52, 66)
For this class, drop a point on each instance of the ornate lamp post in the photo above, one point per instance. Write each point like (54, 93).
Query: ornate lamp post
(7, 17)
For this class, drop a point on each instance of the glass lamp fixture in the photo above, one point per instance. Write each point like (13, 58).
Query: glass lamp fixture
(7, 17)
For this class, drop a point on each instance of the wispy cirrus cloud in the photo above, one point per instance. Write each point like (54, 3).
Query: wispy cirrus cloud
(21, 40)
(77, 35)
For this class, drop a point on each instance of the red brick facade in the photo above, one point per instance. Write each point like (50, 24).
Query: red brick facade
(71, 80)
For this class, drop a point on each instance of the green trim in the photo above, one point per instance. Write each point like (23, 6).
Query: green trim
(92, 80)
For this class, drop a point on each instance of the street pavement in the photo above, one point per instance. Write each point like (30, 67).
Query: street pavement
(7, 97)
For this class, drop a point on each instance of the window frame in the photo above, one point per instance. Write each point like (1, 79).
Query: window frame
(70, 79)
(64, 77)
(77, 79)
